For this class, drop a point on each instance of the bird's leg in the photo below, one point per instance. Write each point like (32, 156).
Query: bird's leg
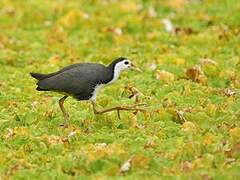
(134, 107)
(65, 114)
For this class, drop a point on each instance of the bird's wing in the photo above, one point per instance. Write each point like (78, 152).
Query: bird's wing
(77, 80)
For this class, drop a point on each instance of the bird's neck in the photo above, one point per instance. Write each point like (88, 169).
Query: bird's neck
(115, 72)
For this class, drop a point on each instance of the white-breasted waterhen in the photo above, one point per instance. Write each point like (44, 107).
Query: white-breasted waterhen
(83, 81)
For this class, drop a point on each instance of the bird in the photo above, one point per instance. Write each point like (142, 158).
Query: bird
(83, 82)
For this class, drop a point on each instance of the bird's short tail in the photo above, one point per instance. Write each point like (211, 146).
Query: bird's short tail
(40, 89)
(38, 76)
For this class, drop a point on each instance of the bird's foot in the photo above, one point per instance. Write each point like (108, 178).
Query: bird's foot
(135, 107)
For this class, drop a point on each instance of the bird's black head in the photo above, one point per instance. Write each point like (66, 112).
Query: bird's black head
(119, 60)
(121, 64)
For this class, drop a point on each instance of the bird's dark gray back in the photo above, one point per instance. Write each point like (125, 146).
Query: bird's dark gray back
(78, 79)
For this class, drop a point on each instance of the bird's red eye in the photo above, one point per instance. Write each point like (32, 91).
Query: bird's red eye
(126, 62)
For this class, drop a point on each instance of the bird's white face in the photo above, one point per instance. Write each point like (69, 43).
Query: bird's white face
(123, 65)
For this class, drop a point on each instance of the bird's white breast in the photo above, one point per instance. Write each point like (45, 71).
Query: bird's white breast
(117, 72)
(95, 92)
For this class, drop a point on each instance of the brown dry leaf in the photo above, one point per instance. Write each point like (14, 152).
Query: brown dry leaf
(100, 146)
(52, 139)
(206, 177)
(9, 10)
(100, 150)
(196, 75)
(234, 151)
(153, 66)
(211, 109)
(140, 161)
(126, 166)
(12, 169)
(177, 4)
(189, 127)
(229, 161)
(229, 92)
(54, 59)
(168, 26)
(186, 166)
(229, 74)
(180, 61)
(71, 18)
(181, 116)
(21, 131)
(183, 31)
(130, 6)
(208, 139)
(133, 92)
(152, 35)
(48, 23)
(198, 163)
(117, 31)
(72, 134)
(235, 134)
(56, 35)
(236, 82)
(165, 76)
(49, 113)
(150, 144)
(9, 134)
(123, 39)
(86, 122)
(152, 12)
(206, 61)
(34, 104)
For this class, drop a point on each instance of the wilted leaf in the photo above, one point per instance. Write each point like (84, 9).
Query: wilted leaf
(71, 18)
(165, 76)
(10, 133)
(206, 177)
(209, 67)
(206, 61)
(227, 74)
(181, 116)
(189, 127)
(235, 134)
(183, 31)
(208, 139)
(117, 31)
(180, 61)
(177, 4)
(71, 134)
(168, 25)
(234, 151)
(133, 92)
(196, 75)
(100, 146)
(126, 166)
(9, 10)
(140, 161)
(211, 109)
(130, 6)
(55, 59)
(152, 12)
(229, 92)
(187, 166)
(52, 139)
(153, 66)
(150, 144)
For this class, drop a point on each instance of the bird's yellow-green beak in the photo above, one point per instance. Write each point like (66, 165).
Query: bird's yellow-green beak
(135, 68)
